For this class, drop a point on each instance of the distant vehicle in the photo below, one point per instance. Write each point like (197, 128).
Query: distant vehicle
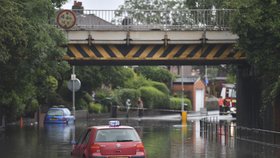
(59, 116)
(227, 100)
(109, 141)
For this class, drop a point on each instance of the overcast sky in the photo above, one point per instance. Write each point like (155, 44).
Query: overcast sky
(95, 4)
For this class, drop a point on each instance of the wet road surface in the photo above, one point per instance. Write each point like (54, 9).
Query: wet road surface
(162, 138)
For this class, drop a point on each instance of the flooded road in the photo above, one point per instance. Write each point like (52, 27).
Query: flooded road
(162, 139)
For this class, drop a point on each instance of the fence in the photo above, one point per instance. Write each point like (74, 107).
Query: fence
(191, 19)
(260, 136)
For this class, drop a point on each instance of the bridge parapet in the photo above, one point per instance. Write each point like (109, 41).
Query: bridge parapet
(168, 20)
(198, 36)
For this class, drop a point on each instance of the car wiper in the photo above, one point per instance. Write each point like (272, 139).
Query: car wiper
(127, 140)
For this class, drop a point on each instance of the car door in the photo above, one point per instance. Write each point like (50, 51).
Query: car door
(84, 144)
(81, 145)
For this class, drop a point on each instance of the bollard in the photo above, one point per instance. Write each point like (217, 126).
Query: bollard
(21, 122)
(184, 117)
(114, 112)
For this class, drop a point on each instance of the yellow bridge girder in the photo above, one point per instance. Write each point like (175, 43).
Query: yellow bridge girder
(153, 54)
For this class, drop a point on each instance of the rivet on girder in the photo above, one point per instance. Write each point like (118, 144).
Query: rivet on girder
(165, 40)
(128, 39)
(89, 39)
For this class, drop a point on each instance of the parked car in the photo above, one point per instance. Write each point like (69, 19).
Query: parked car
(109, 141)
(59, 116)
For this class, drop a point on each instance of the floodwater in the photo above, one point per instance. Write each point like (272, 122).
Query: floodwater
(162, 139)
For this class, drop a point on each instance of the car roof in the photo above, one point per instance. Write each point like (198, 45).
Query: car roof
(58, 109)
(110, 127)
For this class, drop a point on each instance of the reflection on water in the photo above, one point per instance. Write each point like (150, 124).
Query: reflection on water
(52, 141)
(198, 139)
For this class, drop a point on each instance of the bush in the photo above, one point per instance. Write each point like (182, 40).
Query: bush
(176, 103)
(121, 95)
(137, 82)
(95, 108)
(153, 98)
(161, 86)
(81, 104)
(87, 97)
(102, 94)
(104, 97)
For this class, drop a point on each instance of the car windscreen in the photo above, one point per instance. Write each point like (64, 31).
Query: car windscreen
(55, 112)
(117, 135)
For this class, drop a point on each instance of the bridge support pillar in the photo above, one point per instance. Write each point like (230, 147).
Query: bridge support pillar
(248, 97)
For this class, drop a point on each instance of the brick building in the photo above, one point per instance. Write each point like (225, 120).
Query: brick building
(194, 89)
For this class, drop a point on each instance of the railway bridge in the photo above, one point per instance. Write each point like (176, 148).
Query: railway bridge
(169, 37)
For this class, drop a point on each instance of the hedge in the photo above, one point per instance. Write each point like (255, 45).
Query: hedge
(161, 86)
(121, 96)
(176, 103)
(153, 98)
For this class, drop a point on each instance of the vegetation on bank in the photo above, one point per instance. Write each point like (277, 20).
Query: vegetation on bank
(257, 23)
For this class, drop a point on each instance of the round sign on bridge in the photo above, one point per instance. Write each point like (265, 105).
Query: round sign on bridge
(74, 85)
(66, 19)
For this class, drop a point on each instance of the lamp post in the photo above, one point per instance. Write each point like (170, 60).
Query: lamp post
(182, 86)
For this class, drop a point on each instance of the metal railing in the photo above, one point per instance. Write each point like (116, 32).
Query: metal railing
(260, 136)
(192, 19)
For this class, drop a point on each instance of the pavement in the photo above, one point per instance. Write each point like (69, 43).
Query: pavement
(210, 115)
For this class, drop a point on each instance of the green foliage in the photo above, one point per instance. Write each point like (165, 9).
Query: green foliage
(51, 83)
(257, 23)
(176, 103)
(58, 3)
(88, 98)
(30, 52)
(94, 77)
(121, 95)
(137, 82)
(12, 37)
(32, 106)
(102, 94)
(115, 76)
(231, 78)
(153, 98)
(160, 86)
(176, 11)
(175, 4)
(155, 73)
(104, 97)
(81, 104)
(95, 108)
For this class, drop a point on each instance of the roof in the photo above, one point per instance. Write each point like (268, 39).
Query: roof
(58, 108)
(109, 127)
(91, 19)
(186, 80)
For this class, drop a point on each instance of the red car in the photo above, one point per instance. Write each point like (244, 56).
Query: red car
(111, 141)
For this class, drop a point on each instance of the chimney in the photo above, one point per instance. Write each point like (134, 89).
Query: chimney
(78, 7)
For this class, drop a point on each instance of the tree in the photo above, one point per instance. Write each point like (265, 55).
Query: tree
(156, 74)
(176, 12)
(30, 52)
(257, 24)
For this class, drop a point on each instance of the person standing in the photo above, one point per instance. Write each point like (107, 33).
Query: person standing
(140, 107)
